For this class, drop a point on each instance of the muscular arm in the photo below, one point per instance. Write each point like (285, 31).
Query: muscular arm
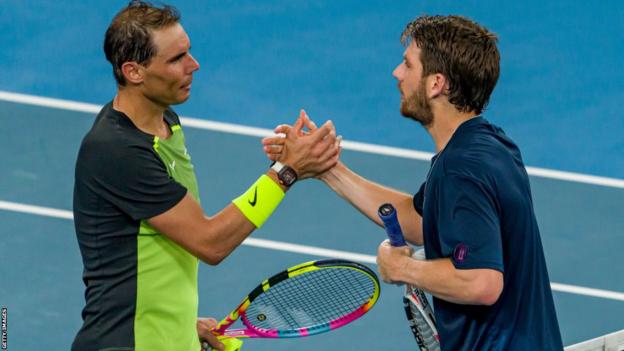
(465, 286)
(440, 277)
(367, 196)
(209, 238)
(364, 195)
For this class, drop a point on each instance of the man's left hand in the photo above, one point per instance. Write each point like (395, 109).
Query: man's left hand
(392, 262)
(204, 331)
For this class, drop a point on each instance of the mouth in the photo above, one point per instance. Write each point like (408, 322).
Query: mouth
(188, 85)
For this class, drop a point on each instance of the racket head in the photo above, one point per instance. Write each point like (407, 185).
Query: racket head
(308, 299)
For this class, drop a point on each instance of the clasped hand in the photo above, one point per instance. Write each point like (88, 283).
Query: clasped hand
(309, 152)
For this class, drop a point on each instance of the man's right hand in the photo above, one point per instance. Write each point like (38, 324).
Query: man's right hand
(309, 153)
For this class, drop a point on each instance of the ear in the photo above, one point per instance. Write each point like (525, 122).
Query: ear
(133, 72)
(437, 85)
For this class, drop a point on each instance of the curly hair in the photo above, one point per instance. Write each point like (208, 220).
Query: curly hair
(463, 51)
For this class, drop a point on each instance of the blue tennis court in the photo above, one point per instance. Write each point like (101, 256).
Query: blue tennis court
(260, 64)
(41, 267)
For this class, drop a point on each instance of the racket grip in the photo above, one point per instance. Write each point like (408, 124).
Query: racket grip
(388, 215)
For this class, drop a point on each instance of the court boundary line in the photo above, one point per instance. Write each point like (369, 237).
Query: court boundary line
(305, 249)
(346, 144)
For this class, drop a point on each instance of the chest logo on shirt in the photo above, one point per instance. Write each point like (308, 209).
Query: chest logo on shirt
(172, 166)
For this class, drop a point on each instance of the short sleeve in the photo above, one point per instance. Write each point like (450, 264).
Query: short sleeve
(468, 223)
(419, 199)
(135, 180)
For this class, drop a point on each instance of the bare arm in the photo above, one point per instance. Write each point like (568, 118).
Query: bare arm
(210, 239)
(363, 194)
(440, 277)
(367, 196)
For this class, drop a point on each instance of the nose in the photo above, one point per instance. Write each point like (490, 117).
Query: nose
(398, 72)
(194, 65)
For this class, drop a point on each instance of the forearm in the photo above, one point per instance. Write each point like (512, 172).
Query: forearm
(224, 232)
(463, 286)
(212, 238)
(231, 226)
(367, 196)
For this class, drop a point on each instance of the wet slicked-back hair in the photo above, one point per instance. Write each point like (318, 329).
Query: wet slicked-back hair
(129, 36)
(463, 51)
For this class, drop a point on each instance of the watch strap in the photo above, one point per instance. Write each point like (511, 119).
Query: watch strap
(286, 175)
(277, 166)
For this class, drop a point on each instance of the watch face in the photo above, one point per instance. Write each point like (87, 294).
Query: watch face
(287, 175)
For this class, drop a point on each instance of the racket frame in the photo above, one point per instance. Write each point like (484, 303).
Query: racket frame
(416, 299)
(252, 331)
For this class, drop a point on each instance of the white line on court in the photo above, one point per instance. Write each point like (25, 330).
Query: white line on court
(304, 249)
(261, 132)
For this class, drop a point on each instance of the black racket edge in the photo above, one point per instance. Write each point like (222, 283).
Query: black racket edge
(283, 275)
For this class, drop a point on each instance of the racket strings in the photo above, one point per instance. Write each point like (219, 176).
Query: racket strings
(311, 299)
(421, 321)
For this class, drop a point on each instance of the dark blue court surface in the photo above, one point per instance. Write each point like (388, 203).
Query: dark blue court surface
(41, 268)
(559, 97)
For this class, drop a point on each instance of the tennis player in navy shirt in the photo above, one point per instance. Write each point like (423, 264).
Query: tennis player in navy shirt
(474, 214)
(477, 212)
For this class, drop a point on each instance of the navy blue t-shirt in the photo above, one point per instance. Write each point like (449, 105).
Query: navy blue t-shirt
(477, 210)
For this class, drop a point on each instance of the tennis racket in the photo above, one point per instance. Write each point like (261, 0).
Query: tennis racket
(417, 307)
(307, 299)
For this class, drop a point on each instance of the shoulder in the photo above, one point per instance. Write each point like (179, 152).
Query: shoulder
(112, 139)
(113, 131)
(483, 150)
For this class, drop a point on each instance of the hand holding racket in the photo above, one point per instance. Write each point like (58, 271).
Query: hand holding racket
(307, 299)
(417, 308)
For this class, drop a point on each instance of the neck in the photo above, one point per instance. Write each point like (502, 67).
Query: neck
(445, 123)
(143, 112)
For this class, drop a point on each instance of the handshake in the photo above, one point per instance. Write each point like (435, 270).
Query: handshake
(309, 150)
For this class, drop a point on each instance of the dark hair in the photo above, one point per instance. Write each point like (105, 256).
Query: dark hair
(463, 51)
(129, 36)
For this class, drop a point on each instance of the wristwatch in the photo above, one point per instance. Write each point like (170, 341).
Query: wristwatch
(285, 174)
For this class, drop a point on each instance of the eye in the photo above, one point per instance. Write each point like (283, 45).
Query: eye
(177, 58)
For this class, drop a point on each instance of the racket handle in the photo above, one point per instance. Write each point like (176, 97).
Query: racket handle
(388, 216)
